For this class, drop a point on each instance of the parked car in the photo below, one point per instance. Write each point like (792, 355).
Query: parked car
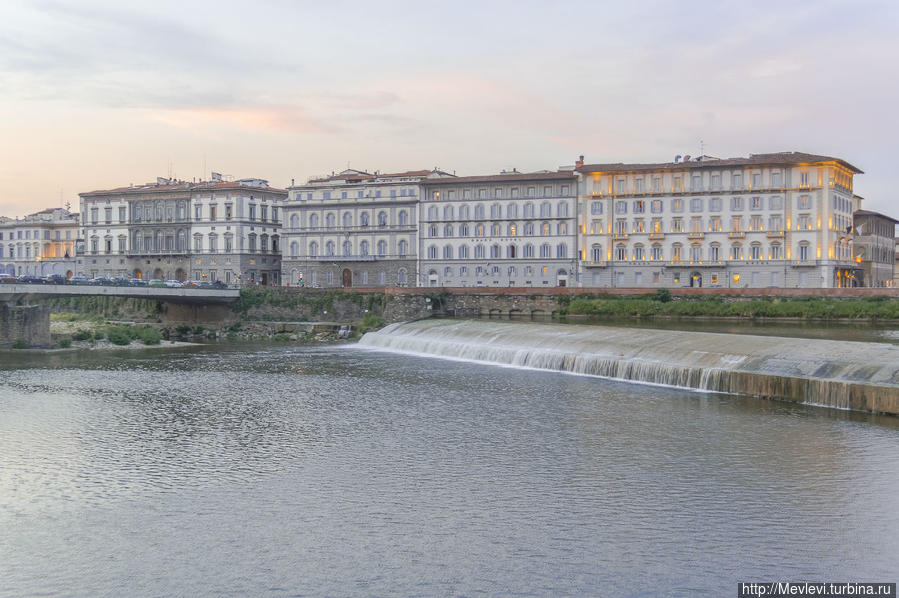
(189, 284)
(79, 280)
(157, 283)
(218, 284)
(173, 284)
(29, 279)
(101, 281)
(119, 281)
(56, 279)
(137, 282)
(7, 279)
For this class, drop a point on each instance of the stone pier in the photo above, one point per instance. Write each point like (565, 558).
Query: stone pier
(28, 323)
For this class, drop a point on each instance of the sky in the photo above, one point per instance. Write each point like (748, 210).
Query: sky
(97, 94)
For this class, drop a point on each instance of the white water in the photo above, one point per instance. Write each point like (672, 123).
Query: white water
(833, 373)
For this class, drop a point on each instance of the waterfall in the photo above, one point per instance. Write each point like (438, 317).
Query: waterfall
(845, 375)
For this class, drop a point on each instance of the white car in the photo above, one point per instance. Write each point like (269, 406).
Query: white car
(174, 284)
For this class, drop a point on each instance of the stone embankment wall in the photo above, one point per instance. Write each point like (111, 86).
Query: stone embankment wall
(28, 323)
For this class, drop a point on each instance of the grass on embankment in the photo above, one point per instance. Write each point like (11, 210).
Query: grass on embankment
(661, 303)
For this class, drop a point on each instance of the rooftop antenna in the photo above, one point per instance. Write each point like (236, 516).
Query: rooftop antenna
(700, 148)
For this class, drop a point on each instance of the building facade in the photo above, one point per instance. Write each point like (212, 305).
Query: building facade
(178, 230)
(40, 244)
(508, 230)
(875, 248)
(769, 220)
(354, 229)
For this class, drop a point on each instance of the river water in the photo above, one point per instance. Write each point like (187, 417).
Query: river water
(340, 471)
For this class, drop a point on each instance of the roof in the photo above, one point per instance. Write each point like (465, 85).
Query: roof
(362, 176)
(503, 178)
(774, 159)
(184, 186)
(875, 214)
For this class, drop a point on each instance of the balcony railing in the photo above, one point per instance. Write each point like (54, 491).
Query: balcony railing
(656, 235)
(696, 235)
(736, 234)
(774, 234)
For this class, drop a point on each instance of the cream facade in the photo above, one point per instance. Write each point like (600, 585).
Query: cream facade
(509, 230)
(770, 220)
(354, 229)
(177, 230)
(40, 244)
(875, 247)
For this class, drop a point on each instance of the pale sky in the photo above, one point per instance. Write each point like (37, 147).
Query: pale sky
(98, 94)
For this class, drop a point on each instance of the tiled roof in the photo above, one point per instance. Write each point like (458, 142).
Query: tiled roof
(775, 159)
(877, 214)
(502, 178)
(361, 176)
(180, 186)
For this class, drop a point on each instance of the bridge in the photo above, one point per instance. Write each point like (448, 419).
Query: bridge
(31, 323)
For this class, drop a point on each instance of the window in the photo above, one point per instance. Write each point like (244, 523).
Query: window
(596, 254)
(447, 252)
(294, 249)
(776, 251)
(596, 207)
(736, 203)
(756, 180)
(294, 221)
(676, 252)
(512, 210)
(479, 212)
(804, 202)
(463, 213)
(545, 250)
(656, 254)
(347, 219)
(329, 249)
(495, 229)
(696, 254)
(620, 253)
(382, 218)
(775, 180)
(639, 206)
(657, 184)
(448, 230)
(562, 228)
(657, 206)
(494, 251)
(622, 186)
(122, 212)
(330, 220)
(479, 252)
(382, 248)
(775, 223)
(736, 251)
(432, 230)
(755, 222)
(463, 252)
(696, 204)
(528, 250)
(677, 225)
(562, 210)
(737, 180)
(313, 220)
(696, 183)
(696, 224)
(621, 207)
(755, 251)
(638, 253)
(678, 184)
(715, 224)
(561, 251)
(252, 213)
(714, 252)
(737, 224)
(803, 252)
(496, 211)
(402, 218)
(677, 205)
(347, 249)
(803, 179)
(755, 203)
(804, 222)
(545, 210)
(716, 181)
(776, 203)
(638, 185)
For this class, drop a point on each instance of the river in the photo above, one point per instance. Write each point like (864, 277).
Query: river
(341, 471)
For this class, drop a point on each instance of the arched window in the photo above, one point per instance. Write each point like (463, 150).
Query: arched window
(596, 254)
(447, 252)
(432, 213)
(313, 220)
(529, 229)
(182, 240)
(463, 252)
(402, 218)
(329, 248)
(562, 210)
(294, 221)
(511, 251)
(363, 219)
(363, 248)
(561, 250)
(776, 251)
(736, 251)
(330, 220)
(347, 248)
(714, 252)
(512, 229)
(382, 218)
(313, 249)
(479, 212)
(496, 230)
(676, 252)
(432, 252)
(545, 250)
(432, 230)
(382, 248)
(479, 230)
(529, 210)
(347, 219)
(496, 211)
(478, 252)
(562, 228)
(657, 254)
(448, 271)
(803, 251)
(528, 250)
(294, 248)
(638, 253)
(402, 277)
(463, 212)
(696, 253)
(755, 251)
(448, 230)
(545, 229)
(495, 251)
(512, 210)
(546, 210)
(620, 253)
(402, 248)
(447, 212)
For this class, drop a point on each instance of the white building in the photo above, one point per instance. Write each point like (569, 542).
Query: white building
(171, 229)
(512, 229)
(769, 220)
(354, 229)
(40, 244)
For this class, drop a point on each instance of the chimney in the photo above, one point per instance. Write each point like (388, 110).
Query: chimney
(580, 162)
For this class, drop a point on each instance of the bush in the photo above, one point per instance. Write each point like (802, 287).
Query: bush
(150, 336)
(18, 344)
(370, 321)
(281, 337)
(120, 335)
(82, 335)
(99, 335)
(65, 343)
(663, 295)
(231, 336)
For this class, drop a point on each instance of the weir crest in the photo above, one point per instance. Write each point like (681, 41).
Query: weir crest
(846, 375)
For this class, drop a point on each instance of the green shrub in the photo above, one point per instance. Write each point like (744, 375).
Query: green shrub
(120, 335)
(663, 295)
(281, 337)
(99, 335)
(231, 336)
(150, 336)
(65, 343)
(18, 344)
(82, 335)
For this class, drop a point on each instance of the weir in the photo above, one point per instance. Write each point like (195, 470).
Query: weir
(845, 375)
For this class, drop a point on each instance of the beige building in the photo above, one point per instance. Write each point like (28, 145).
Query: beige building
(40, 244)
(769, 220)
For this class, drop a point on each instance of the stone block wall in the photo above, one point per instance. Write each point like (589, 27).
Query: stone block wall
(31, 323)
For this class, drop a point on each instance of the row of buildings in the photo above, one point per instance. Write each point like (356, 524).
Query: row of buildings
(770, 220)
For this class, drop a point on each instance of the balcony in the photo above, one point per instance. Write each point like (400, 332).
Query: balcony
(656, 235)
(736, 234)
(619, 236)
(775, 234)
(152, 252)
(696, 236)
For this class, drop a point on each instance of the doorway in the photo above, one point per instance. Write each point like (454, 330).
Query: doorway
(347, 278)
